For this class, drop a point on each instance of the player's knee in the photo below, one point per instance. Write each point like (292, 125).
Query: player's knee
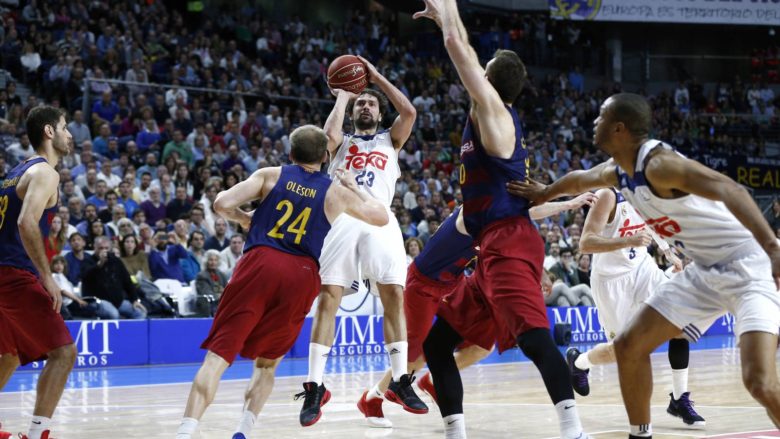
(392, 296)
(762, 386)
(626, 347)
(65, 355)
(328, 302)
(435, 352)
(536, 343)
(8, 361)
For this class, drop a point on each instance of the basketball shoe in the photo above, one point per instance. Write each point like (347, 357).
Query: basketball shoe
(314, 397)
(238, 436)
(372, 410)
(401, 392)
(4, 434)
(426, 385)
(579, 377)
(683, 408)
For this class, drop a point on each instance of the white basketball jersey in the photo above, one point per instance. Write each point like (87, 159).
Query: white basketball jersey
(373, 160)
(704, 230)
(625, 223)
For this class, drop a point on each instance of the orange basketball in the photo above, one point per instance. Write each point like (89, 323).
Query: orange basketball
(348, 73)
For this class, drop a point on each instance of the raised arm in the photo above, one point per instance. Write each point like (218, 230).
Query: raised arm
(42, 181)
(553, 207)
(407, 114)
(496, 125)
(344, 196)
(668, 171)
(598, 217)
(228, 203)
(335, 122)
(575, 182)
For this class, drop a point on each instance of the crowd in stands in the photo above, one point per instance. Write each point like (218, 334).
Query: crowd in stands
(137, 191)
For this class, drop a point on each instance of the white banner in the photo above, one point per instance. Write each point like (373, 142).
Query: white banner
(745, 12)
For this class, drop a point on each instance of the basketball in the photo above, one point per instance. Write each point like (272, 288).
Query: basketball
(348, 73)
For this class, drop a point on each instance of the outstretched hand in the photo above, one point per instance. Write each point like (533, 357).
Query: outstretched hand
(588, 198)
(432, 11)
(530, 189)
(347, 179)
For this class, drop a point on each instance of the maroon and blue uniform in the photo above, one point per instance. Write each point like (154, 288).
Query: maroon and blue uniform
(503, 298)
(277, 279)
(483, 180)
(29, 327)
(433, 274)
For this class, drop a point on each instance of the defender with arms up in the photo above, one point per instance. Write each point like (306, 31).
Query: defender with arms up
(503, 299)
(286, 234)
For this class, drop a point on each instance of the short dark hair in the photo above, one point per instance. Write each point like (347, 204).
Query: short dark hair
(308, 144)
(37, 120)
(633, 111)
(507, 74)
(379, 97)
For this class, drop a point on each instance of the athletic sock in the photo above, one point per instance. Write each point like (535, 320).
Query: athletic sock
(454, 426)
(643, 430)
(583, 362)
(399, 354)
(568, 419)
(374, 393)
(679, 382)
(38, 425)
(246, 423)
(187, 428)
(318, 358)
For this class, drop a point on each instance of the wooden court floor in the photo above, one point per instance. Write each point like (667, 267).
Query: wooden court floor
(502, 401)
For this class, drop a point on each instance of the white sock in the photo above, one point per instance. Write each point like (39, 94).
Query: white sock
(38, 425)
(644, 430)
(399, 355)
(187, 427)
(246, 423)
(454, 426)
(679, 382)
(318, 358)
(568, 419)
(374, 393)
(583, 362)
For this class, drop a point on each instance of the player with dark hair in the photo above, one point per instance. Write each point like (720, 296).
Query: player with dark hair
(354, 250)
(274, 284)
(31, 328)
(502, 302)
(707, 217)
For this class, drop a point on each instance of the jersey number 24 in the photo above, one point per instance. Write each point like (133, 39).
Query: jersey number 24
(298, 225)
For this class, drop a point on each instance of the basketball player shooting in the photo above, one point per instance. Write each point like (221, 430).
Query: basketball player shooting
(372, 156)
(709, 218)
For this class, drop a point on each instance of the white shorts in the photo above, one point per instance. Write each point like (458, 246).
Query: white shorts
(354, 250)
(744, 287)
(619, 297)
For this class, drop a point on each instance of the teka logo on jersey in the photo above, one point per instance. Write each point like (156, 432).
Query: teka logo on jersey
(467, 147)
(358, 335)
(664, 226)
(361, 160)
(628, 229)
(585, 325)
